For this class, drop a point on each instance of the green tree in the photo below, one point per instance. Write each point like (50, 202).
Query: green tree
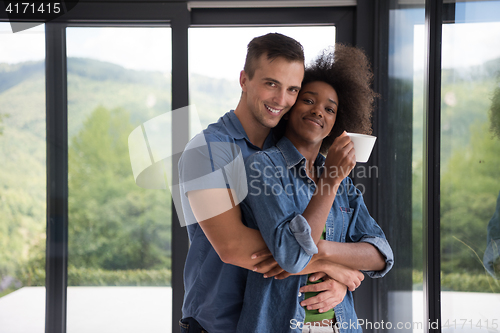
(495, 112)
(113, 224)
(469, 187)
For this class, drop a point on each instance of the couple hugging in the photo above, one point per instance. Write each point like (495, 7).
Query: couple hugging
(278, 242)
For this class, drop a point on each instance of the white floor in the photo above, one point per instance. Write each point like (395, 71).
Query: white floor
(91, 309)
(148, 309)
(461, 312)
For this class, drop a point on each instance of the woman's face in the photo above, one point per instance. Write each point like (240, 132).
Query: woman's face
(312, 117)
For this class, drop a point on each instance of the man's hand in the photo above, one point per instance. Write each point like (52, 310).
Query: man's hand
(331, 294)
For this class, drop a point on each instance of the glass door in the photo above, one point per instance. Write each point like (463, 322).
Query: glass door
(119, 234)
(470, 172)
(22, 180)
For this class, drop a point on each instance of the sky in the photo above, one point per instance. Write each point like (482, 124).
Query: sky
(220, 52)
(215, 52)
(464, 44)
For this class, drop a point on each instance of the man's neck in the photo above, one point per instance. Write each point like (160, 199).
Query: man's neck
(256, 132)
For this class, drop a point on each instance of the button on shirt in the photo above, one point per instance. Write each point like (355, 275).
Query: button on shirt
(214, 159)
(279, 191)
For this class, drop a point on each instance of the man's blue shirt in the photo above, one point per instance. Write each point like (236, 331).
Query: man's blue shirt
(214, 159)
(279, 191)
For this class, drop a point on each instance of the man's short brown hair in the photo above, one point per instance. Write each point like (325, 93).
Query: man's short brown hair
(274, 45)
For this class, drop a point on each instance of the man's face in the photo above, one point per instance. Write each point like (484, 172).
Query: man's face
(273, 89)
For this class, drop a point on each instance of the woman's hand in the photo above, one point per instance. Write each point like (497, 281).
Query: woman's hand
(348, 276)
(340, 159)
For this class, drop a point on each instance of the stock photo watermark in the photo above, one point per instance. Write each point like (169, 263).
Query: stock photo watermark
(20, 13)
(457, 324)
(217, 165)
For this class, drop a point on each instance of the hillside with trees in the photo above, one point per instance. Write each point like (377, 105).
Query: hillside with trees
(119, 234)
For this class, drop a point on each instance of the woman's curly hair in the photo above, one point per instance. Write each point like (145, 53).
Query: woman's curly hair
(348, 71)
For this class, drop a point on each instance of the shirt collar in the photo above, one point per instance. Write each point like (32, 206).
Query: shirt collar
(234, 126)
(236, 130)
(292, 156)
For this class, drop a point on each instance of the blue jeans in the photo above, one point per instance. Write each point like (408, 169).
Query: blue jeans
(190, 325)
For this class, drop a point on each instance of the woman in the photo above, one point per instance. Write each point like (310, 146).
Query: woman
(289, 185)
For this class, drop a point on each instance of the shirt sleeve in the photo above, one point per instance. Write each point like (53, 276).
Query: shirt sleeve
(363, 228)
(209, 162)
(270, 207)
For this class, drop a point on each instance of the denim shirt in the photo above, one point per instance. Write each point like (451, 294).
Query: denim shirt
(279, 191)
(214, 290)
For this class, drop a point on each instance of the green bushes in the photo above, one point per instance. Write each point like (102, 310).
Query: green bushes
(482, 283)
(100, 277)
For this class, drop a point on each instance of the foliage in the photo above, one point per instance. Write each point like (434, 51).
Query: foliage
(495, 112)
(470, 156)
(468, 282)
(129, 226)
(99, 277)
(12, 75)
(22, 180)
(117, 227)
(113, 224)
(469, 189)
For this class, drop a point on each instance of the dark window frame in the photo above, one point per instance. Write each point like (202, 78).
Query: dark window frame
(371, 18)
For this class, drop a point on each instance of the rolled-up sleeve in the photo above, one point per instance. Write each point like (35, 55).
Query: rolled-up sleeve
(269, 208)
(385, 249)
(302, 232)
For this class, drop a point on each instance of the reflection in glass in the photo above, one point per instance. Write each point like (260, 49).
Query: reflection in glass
(215, 65)
(470, 173)
(119, 235)
(22, 180)
(401, 165)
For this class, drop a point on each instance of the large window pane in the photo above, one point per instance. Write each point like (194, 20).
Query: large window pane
(22, 180)
(401, 166)
(470, 172)
(119, 264)
(216, 57)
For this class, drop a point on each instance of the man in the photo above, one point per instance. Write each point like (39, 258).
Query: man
(214, 285)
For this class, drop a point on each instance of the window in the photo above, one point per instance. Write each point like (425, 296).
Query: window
(215, 65)
(119, 234)
(401, 166)
(22, 180)
(470, 156)
(107, 93)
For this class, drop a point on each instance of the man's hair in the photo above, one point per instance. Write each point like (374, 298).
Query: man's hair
(348, 71)
(274, 45)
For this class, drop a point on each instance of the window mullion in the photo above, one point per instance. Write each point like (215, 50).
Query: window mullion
(57, 178)
(431, 176)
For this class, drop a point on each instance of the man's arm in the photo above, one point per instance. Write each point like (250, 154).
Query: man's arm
(232, 240)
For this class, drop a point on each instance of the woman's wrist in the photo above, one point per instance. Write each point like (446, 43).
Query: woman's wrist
(329, 183)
